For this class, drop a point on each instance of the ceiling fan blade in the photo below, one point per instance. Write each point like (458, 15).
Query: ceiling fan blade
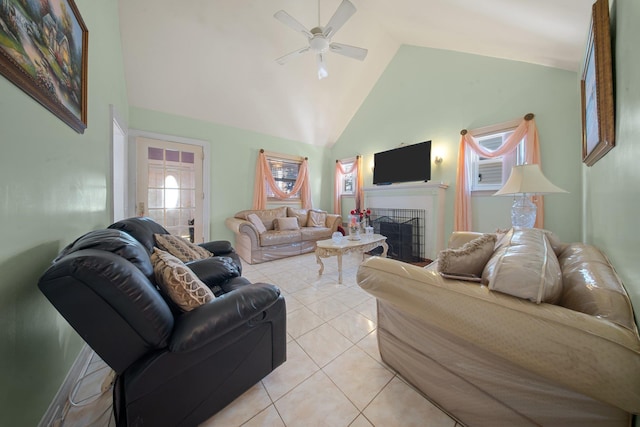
(342, 14)
(286, 58)
(350, 51)
(291, 22)
(322, 67)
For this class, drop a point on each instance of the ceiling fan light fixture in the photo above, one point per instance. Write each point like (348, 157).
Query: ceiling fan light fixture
(319, 44)
(322, 67)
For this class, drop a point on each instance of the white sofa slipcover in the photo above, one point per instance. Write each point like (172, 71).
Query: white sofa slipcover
(488, 358)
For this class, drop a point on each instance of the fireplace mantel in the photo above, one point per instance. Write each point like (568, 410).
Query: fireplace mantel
(408, 186)
(429, 196)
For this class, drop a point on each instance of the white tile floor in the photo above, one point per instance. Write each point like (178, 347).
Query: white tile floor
(333, 375)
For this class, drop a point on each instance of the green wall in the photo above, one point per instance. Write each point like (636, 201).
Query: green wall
(430, 94)
(612, 185)
(53, 187)
(233, 154)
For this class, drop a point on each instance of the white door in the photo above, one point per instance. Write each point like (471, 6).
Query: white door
(170, 186)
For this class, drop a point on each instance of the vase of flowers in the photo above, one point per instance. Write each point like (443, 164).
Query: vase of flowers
(358, 220)
(354, 227)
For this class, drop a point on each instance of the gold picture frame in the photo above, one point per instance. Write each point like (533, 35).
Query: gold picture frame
(43, 51)
(596, 87)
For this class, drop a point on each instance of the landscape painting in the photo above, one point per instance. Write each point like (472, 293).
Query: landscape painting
(43, 51)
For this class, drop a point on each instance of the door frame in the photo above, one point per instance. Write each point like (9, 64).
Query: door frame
(206, 171)
(121, 160)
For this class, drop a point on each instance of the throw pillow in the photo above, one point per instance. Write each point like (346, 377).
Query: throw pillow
(183, 250)
(524, 265)
(317, 219)
(257, 223)
(289, 223)
(470, 258)
(178, 281)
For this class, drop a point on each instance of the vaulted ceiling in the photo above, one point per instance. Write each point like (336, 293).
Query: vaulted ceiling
(214, 60)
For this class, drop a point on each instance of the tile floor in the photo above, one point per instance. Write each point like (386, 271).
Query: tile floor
(333, 375)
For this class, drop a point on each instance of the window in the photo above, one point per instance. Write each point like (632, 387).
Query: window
(491, 174)
(285, 172)
(348, 181)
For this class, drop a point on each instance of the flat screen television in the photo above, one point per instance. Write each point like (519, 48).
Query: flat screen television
(403, 164)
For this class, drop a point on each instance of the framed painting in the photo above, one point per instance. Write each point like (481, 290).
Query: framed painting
(43, 51)
(596, 87)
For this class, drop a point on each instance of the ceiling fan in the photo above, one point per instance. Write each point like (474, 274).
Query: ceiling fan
(320, 37)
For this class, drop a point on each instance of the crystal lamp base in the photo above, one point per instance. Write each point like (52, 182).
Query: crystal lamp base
(523, 212)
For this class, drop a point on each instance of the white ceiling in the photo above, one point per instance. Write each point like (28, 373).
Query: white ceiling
(214, 60)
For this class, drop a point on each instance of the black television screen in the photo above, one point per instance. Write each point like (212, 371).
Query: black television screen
(403, 164)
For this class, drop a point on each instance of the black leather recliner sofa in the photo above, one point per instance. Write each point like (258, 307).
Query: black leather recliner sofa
(173, 368)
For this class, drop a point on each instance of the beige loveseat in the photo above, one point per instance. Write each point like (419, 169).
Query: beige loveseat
(489, 358)
(286, 232)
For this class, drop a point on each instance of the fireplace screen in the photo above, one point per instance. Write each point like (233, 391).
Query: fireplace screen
(404, 230)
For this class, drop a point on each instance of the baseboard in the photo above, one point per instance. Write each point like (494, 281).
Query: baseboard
(61, 399)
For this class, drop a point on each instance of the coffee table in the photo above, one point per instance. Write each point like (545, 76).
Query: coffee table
(367, 242)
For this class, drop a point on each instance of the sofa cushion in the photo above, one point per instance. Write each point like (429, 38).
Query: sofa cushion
(180, 248)
(591, 285)
(524, 265)
(282, 224)
(271, 238)
(257, 222)
(557, 244)
(178, 282)
(317, 219)
(310, 234)
(266, 215)
(301, 214)
(470, 258)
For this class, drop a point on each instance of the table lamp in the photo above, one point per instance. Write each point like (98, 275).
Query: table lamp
(526, 181)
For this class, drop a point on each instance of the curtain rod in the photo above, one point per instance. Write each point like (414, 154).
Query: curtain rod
(527, 117)
(282, 156)
(357, 157)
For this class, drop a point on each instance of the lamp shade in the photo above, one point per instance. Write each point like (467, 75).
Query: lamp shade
(528, 179)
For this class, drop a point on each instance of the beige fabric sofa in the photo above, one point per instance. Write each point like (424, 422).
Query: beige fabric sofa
(492, 359)
(255, 247)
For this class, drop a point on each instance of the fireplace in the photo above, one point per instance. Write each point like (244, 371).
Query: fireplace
(427, 230)
(403, 229)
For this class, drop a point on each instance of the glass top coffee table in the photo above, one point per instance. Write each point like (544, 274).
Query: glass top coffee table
(367, 242)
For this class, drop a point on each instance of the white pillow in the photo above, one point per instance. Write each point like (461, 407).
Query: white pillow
(524, 265)
(289, 223)
(317, 219)
(257, 223)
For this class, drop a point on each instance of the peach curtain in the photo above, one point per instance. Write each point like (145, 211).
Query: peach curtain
(264, 178)
(359, 188)
(527, 130)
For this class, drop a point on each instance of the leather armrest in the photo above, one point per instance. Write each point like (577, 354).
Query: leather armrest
(199, 327)
(214, 271)
(218, 247)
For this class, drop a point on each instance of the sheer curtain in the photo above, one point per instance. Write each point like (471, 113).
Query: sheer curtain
(462, 206)
(264, 178)
(341, 170)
